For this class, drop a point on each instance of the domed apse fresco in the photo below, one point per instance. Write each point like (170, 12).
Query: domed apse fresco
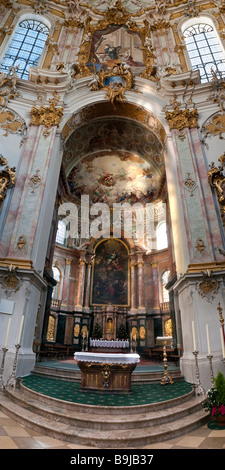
(112, 177)
(114, 161)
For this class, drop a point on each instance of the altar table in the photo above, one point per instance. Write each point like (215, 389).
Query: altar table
(109, 372)
(104, 343)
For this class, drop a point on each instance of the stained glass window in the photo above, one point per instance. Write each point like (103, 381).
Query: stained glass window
(26, 47)
(205, 50)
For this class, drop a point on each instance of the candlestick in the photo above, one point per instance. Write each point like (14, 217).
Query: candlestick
(207, 334)
(211, 370)
(2, 386)
(7, 333)
(20, 330)
(12, 379)
(199, 390)
(166, 376)
(193, 334)
(131, 343)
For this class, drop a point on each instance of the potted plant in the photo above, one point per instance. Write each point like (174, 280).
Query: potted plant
(215, 402)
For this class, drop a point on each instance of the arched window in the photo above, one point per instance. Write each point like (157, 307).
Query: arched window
(161, 236)
(61, 232)
(26, 47)
(165, 280)
(57, 277)
(205, 50)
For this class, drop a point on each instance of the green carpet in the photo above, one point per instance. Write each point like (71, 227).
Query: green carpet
(214, 426)
(139, 395)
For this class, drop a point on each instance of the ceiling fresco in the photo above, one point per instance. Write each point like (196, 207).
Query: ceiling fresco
(113, 134)
(130, 5)
(114, 160)
(112, 177)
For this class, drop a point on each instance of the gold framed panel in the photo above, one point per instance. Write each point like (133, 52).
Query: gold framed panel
(93, 301)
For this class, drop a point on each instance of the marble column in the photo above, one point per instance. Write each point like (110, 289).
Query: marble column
(133, 290)
(65, 289)
(155, 300)
(140, 265)
(88, 286)
(80, 286)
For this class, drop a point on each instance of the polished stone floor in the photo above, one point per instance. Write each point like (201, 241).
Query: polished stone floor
(15, 436)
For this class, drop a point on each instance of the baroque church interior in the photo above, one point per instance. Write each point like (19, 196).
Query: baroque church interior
(112, 213)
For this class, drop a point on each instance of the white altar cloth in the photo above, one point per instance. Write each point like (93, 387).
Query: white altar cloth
(104, 343)
(107, 357)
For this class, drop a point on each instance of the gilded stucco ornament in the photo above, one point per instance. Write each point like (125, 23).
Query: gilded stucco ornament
(7, 178)
(181, 118)
(10, 121)
(115, 15)
(216, 180)
(46, 116)
(10, 282)
(207, 287)
(215, 125)
(114, 90)
(190, 184)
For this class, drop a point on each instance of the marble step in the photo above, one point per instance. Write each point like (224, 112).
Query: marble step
(54, 411)
(123, 438)
(100, 409)
(75, 375)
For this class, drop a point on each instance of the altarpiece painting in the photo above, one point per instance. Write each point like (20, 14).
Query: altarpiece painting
(110, 279)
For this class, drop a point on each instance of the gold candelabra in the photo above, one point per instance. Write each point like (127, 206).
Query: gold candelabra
(166, 376)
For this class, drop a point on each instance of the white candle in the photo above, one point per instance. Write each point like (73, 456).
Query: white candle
(222, 342)
(207, 334)
(193, 334)
(20, 330)
(7, 333)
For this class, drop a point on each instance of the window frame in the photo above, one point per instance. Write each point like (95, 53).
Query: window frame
(63, 223)
(203, 19)
(162, 222)
(57, 288)
(163, 284)
(19, 19)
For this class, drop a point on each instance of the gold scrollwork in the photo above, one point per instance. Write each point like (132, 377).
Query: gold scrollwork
(215, 124)
(181, 118)
(76, 330)
(47, 116)
(216, 180)
(7, 178)
(10, 121)
(200, 245)
(142, 332)
(21, 242)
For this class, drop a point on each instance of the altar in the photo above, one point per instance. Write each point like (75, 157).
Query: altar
(104, 343)
(105, 371)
